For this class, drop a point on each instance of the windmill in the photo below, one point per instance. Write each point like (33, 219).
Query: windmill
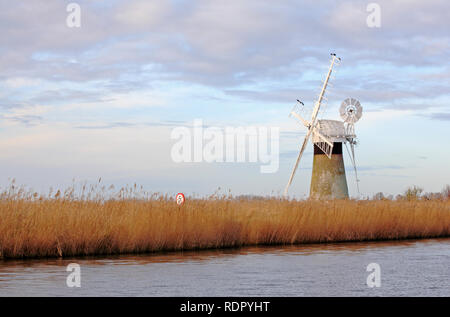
(328, 179)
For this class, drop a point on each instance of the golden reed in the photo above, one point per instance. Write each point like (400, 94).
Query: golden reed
(59, 226)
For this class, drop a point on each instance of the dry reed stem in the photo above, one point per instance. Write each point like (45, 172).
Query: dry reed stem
(68, 227)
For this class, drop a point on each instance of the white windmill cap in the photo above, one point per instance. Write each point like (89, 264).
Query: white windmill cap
(334, 130)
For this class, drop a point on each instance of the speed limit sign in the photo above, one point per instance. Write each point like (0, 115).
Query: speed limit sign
(180, 199)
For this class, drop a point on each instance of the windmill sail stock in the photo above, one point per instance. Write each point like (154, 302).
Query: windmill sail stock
(311, 125)
(328, 178)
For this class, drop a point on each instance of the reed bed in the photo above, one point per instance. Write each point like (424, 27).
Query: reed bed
(63, 226)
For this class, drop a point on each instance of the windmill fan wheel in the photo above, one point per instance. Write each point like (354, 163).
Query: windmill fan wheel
(350, 110)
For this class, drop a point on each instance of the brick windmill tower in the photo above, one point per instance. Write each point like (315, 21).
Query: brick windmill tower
(328, 179)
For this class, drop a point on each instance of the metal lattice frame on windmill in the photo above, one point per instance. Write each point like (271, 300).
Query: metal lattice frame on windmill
(328, 179)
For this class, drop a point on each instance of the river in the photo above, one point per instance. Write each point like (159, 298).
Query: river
(407, 268)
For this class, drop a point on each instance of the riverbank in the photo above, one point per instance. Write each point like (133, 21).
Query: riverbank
(64, 227)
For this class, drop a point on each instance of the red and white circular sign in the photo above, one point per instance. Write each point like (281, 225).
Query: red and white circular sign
(180, 199)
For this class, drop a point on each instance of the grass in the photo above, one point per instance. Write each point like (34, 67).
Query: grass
(61, 225)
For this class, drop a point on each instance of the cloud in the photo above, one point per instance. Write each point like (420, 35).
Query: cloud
(291, 156)
(28, 120)
(376, 167)
(132, 125)
(144, 66)
(67, 95)
(246, 51)
(212, 42)
(107, 126)
(443, 116)
(292, 134)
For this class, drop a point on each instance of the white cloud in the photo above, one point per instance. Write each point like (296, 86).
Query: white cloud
(138, 61)
(20, 82)
(145, 14)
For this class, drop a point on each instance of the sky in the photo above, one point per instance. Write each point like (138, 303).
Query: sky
(102, 99)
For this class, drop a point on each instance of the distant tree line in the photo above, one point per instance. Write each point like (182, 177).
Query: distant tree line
(416, 193)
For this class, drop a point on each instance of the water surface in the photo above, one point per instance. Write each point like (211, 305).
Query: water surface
(408, 268)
